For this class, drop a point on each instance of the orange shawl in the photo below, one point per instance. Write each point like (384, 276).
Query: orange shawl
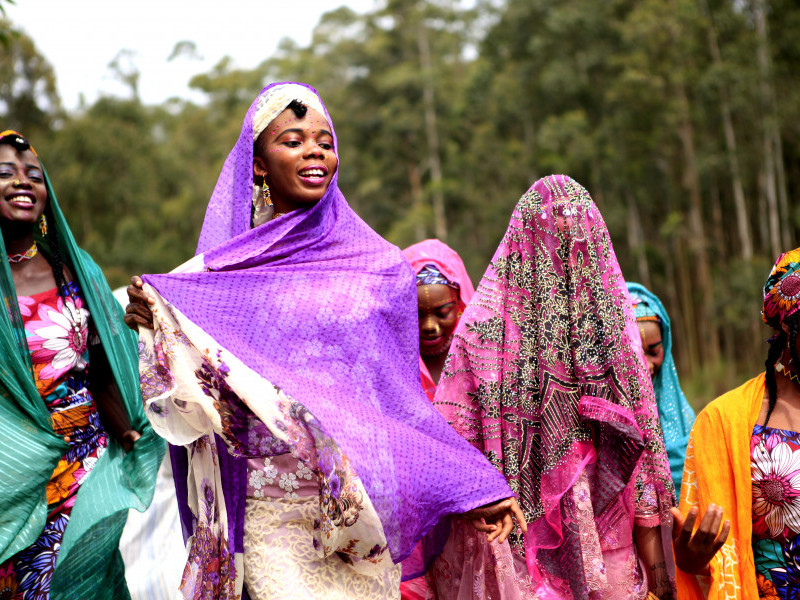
(717, 470)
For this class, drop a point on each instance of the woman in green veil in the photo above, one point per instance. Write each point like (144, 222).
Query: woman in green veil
(76, 451)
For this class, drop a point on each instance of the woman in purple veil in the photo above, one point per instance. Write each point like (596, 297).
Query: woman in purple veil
(283, 357)
(546, 376)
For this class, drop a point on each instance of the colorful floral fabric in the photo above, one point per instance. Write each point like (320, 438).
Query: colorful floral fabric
(57, 332)
(547, 377)
(775, 467)
(206, 398)
(782, 289)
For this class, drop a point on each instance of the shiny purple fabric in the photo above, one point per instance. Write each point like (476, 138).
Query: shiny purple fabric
(322, 306)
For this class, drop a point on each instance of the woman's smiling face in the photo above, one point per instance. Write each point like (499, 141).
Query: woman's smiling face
(23, 192)
(296, 157)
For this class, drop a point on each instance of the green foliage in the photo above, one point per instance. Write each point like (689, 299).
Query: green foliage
(442, 108)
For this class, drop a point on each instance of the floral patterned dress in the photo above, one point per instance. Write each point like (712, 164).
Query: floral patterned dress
(57, 331)
(775, 467)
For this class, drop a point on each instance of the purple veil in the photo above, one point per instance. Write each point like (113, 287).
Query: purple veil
(320, 305)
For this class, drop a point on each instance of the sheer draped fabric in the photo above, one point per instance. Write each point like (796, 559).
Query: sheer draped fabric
(547, 378)
(318, 307)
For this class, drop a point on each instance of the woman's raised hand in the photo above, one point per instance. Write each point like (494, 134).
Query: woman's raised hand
(496, 519)
(694, 551)
(139, 311)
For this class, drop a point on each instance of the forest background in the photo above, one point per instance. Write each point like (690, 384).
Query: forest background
(681, 117)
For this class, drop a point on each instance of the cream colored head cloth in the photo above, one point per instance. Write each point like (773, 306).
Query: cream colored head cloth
(275, 101)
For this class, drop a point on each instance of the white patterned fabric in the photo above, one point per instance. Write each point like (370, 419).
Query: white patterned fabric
(280, 562)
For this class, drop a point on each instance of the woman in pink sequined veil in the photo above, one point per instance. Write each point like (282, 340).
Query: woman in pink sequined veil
(546, 377)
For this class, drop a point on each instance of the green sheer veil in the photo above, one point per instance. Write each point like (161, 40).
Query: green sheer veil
(89, 564)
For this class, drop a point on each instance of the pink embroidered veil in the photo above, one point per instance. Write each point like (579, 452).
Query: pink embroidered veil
(547, 378)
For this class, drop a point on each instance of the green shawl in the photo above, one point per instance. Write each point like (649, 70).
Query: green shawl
(89, 563)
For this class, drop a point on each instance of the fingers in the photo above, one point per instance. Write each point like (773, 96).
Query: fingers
(677, 522)
(489, 510)
(519, 515)
(481, 525)
(722, 537)
(137, 294)
(128, 439)
(507, 526)
(685, 534)
(709, 525)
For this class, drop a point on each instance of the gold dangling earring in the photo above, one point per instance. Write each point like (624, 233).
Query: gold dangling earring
(43, 224)
(265, 195)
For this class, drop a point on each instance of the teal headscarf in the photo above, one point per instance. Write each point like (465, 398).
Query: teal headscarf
(674, 412)
(89, 563)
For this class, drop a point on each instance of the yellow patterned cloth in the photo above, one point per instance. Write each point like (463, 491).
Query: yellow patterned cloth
(717, 470)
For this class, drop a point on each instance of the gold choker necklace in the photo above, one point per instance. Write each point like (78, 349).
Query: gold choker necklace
(27, 255)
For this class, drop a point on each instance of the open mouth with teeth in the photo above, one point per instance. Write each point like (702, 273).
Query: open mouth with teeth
(313, 174)
(21, 199)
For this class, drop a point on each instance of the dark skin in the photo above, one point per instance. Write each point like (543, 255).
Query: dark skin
(296, 157)
(693, 549)
(23, 197)
(438, 317)
(653, 346)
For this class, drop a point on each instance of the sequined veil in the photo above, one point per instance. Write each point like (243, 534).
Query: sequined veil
(546, 376)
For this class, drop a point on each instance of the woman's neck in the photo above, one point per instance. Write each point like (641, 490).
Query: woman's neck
(435, 365)
(17, 237)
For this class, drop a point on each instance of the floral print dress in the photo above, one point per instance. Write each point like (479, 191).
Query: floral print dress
(775, 467)
(57, 332)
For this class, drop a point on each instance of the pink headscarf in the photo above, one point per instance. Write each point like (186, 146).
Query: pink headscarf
(444, 258)
(546, 377)
(449, 264)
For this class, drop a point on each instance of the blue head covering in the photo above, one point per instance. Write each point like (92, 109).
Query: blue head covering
(674, 411)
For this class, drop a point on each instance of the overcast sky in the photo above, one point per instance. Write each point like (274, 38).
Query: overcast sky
(81, 37)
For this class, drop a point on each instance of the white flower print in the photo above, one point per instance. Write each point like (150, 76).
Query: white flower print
(270, 470)
(303, 472)
(290, 496)
(288, 482)
(776, 487)
(257, 479)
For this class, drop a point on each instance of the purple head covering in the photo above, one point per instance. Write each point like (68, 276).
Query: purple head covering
(323, 307)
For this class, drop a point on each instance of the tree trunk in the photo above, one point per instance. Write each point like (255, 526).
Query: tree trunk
(769, 129)
(708, 337)
(740, 206)
(439, 217)
(636, 241)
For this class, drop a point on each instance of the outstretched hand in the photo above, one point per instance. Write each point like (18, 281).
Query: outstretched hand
(694, 551)
(497, 519)
(139, 310)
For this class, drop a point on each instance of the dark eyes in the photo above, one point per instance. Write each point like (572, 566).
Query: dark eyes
(298, 143)
(34, 175)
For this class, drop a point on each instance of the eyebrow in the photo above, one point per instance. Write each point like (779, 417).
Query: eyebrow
(443, 305)
(27, 166)
(298, 130)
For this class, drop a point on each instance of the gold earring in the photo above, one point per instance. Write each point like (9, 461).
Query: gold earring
(265, 195)
(43, 224)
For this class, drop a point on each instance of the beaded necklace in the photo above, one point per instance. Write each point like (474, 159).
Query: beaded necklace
(787, 372)
(27, 255)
